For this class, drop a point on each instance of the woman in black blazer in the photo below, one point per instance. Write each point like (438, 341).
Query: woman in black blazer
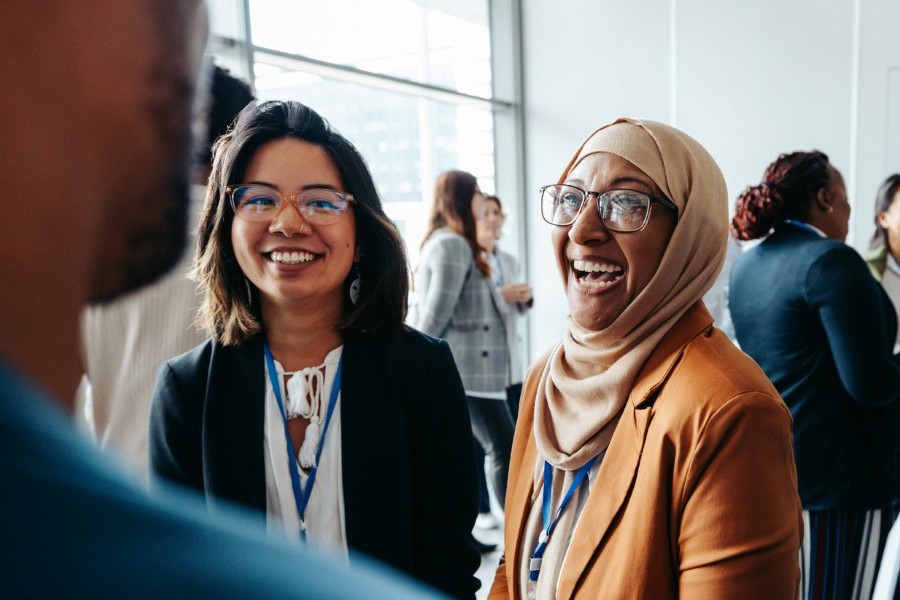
(312, 402)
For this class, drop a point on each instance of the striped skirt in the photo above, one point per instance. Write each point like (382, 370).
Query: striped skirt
(841, 552)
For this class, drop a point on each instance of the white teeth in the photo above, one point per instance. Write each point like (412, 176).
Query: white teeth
(594, 267)
(585, 268)
(597, 284)
(292, 258)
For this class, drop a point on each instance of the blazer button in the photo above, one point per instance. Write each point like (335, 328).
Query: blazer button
(485, 353)
(486, 327)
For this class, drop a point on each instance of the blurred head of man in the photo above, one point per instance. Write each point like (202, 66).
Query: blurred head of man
(97, 104)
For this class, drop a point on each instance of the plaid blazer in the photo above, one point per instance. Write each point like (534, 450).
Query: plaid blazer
(456, 302)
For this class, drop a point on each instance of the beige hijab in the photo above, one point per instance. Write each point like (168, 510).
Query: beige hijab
(589, 375)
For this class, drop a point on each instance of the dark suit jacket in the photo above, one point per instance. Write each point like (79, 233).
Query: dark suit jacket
(409, 487)
(72, 525)
(808, 311)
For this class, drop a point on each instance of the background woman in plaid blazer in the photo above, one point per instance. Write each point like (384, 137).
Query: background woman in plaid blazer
(457, 301)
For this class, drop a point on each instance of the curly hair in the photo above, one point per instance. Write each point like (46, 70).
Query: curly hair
(787, 191)
(452, 207)
(230, 308)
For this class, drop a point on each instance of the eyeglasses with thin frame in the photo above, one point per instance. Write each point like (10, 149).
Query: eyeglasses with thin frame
(623, 211)
(257, 202)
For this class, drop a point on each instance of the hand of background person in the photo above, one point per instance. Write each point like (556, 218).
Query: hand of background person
(517, 292)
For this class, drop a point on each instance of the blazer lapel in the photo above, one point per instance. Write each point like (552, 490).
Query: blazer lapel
(356, 436)
(233, 426)
(375, 456)
(616, 476)
(618, 469)
(620, 464)
(519, 501)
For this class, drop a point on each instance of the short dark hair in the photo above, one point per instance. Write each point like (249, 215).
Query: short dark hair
(883, 200)
(228, 95)
(786, 192)
(230, 308)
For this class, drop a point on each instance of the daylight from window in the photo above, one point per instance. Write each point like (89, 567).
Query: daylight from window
(419, 115)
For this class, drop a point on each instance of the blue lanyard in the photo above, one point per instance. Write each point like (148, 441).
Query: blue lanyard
(301, 494)
(534, 567)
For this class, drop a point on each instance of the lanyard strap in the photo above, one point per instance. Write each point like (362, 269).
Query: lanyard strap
(301, 494)
(534, 567)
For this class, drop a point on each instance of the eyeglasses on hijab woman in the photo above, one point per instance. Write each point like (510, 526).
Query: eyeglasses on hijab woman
(312, 403)
(652, 458)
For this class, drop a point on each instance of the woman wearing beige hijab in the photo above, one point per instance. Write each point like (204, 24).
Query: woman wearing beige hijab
(652, 459)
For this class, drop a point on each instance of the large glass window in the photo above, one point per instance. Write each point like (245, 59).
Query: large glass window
(446, 44)
(408, 81)
(406, 140)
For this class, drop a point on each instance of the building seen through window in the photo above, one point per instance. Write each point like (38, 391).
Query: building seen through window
(408, 81)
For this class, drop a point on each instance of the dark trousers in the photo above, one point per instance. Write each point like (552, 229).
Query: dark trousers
(484, 499)
(492, 426)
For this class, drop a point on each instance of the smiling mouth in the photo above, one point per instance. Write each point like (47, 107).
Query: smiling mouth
(596, 275)
(291, 258)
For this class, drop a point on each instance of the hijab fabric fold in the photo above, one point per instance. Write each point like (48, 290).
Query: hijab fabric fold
(586, 382)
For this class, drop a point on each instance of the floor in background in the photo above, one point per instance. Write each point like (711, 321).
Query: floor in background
(490, 560)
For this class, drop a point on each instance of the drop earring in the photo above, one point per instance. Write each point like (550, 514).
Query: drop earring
(354, 286)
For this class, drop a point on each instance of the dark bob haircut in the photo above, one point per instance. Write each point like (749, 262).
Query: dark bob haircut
(230, 311)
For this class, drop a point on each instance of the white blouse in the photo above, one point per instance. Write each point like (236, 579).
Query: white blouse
(325, 525)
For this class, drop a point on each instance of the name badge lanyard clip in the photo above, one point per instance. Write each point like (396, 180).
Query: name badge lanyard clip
(548, 524)
(301, 493)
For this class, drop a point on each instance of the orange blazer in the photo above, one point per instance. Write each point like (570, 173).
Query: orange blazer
(697, 494)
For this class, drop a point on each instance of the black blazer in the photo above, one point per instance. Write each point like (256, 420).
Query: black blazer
(408, 476)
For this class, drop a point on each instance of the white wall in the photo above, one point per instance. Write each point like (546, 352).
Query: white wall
(749, 80)
(877, 133)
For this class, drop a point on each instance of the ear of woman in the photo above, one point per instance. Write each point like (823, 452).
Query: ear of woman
(824, 201)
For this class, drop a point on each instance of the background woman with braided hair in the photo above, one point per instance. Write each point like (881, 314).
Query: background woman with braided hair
(807, 310)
